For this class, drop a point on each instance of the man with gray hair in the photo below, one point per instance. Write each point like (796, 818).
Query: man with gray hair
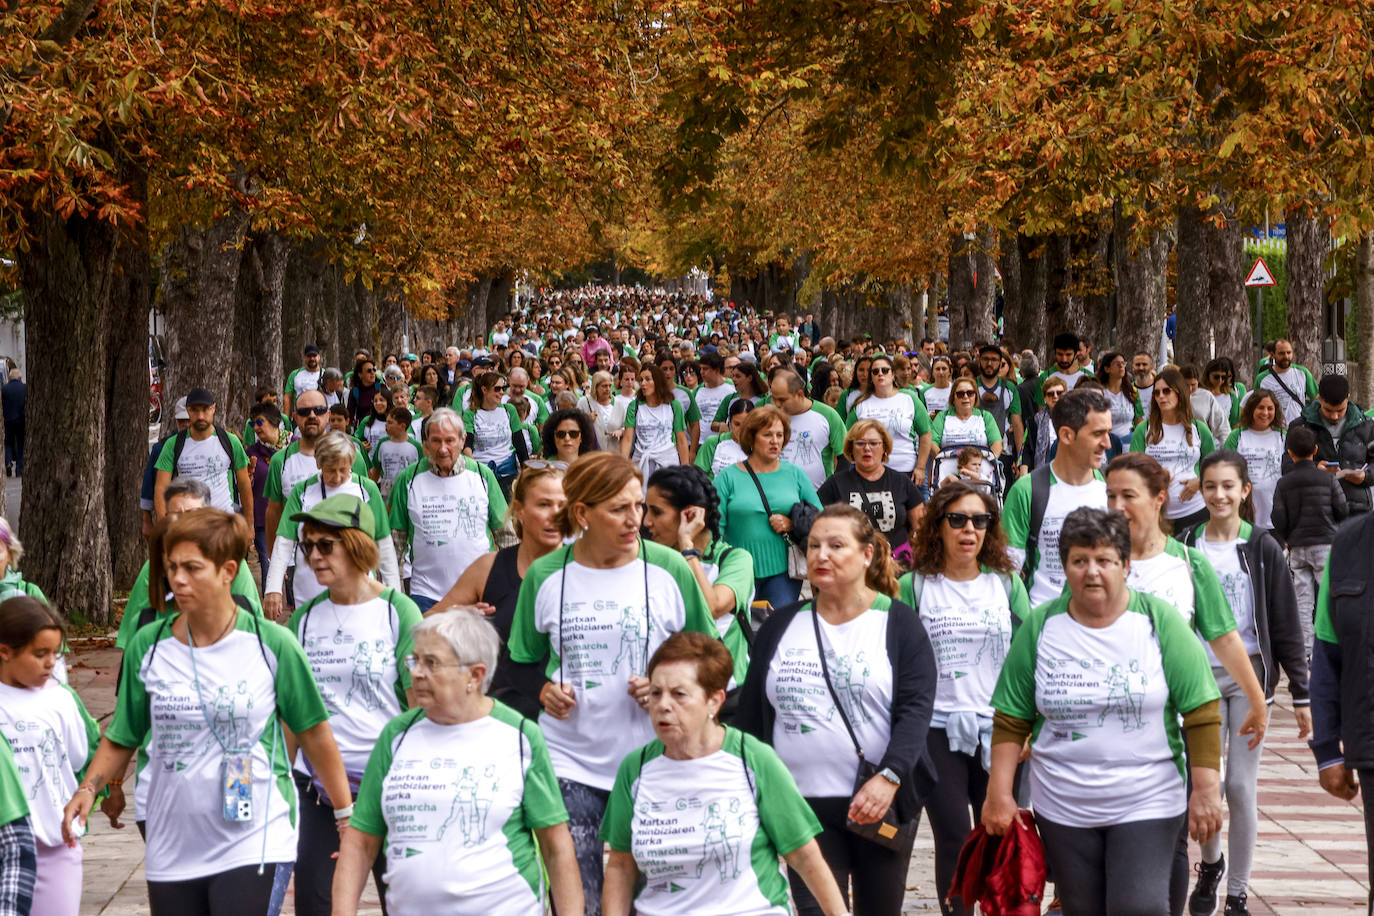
(445, 508)
(519, 384)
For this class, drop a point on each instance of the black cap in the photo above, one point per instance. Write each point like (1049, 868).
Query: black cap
(311, 350)
(199, 397)
(989, 348)
(482, 362)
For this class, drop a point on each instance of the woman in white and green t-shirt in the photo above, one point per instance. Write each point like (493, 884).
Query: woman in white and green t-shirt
(1100, 680)
(1178, 442)
(902, 412)
(963, 424)
(459, 792)
(970, 601)
(703, 812)
(356, 634)
(210, 691)
(655, 427)
(1259, 439)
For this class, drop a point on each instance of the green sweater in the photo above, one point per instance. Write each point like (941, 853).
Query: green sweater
(743, 521)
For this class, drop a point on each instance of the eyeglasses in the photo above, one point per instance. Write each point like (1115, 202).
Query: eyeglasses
(1160, 390)
(417, 662)
(368, 371)
(312, 411)
(567, 434)
(539, 464)
(324, 545)
(499, 387)
(259, 421)
(964, 393)
(868, 443)
(958, 520)
(880, 370)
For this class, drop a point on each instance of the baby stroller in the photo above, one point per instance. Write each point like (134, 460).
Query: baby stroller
(945, 463)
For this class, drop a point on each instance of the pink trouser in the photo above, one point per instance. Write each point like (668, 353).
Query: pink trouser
(58, 891)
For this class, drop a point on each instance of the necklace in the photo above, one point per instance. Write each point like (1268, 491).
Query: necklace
(233, 619)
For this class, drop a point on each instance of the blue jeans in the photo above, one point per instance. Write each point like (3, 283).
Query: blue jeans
(779, 591)
(424, 603)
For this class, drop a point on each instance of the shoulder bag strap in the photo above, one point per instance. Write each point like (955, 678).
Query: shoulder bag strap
(1289, 391)
(768, 510)
(825, 675)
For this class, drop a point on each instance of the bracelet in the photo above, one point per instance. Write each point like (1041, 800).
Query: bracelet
(84, 788)
(115, 782)
(688, 554)
(343, 813)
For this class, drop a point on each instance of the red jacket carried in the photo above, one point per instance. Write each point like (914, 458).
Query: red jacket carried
(1004, 875)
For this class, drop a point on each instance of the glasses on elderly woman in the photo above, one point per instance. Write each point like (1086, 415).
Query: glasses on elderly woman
(430, 663)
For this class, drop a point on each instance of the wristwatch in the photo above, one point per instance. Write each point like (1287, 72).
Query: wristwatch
(688, 554)
(886, 773)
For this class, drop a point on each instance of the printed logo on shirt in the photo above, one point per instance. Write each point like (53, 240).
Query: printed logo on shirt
(1066, 695)
(229, 718)
(36, 746)
(878, 506)
(472, 799)
(848, 676)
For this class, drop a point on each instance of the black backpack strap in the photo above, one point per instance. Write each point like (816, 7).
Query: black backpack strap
(179, 443)
(1041, 481)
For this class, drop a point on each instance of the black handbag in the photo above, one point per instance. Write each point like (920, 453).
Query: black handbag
(888, 831)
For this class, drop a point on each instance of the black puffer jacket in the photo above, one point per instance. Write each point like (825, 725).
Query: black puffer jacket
(1352, 449)
(1308, 505)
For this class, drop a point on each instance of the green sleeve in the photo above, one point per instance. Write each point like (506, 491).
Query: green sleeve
(287, 528)
(679, 424)
(620, 807)
(1014, 408)
(920, 423)
(1040, 387)
(1311, 383)
(1186, 669)
(990, 430)
(469, 419)
(631, 412)
(528, 645)
(240, 458)
(408, 617)
(138, 600)
(13, 801)
(496, 502)
(291, 383)
(272, 489)
(706, 455)
(1212, 615)
(1322, 625)
(542, 802)
(937, 429)
(1014, 694)
(1209, 444)
(697, 612)
(1260, 378)
(244, 587)
(835, 448)
(360, 458)
(381, 526)
(132, 714)
(374, 459)
(1138, 438)
(693, 413)
(737, 574)
(92, 734)
(723, 409)
(367, 804)
(400, 500)
(906, 590)
(1019, 599)
(1232, 440)
(298, 697)
(783, 813)
(1016, 514)
(164, 457)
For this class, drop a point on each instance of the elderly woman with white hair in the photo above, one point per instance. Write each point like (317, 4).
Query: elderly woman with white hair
(459, 790)
(334, 454)
(606, 410)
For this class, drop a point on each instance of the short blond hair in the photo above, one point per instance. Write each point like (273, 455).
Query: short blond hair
(857, 431)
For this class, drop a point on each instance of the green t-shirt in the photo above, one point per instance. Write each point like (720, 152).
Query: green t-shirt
(706, 833)
(14, 802)
(234, 695)
(479, 786)
(743, 521)
(139, 602)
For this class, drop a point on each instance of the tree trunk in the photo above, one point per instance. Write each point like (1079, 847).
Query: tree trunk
(982, 314)
(1309, 241)
(1025, 321)
(1231, 322)
(66, 277)
(1140, 270)
(1058, 292)
(1094, 270)
(961, 290)
(932, 316)
(1193, 300)
(272, 253)
(1363, 383)
(126, 394)
(1009, 263)
(200, 270)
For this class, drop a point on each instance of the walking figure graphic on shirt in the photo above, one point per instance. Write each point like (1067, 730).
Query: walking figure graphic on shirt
(994, 643)
(632, 624)
(849, 676)
(1125, 697)
(368, 664)
(470, 808)
(229, 723)
(50, 760)
(722, 843)
(804, 450)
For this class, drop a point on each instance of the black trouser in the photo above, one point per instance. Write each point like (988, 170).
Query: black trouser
(1120, 870)
(14, 445)
(319, 840)
(874, 874)
(1368, 802)
(237, 892)
(962, 784)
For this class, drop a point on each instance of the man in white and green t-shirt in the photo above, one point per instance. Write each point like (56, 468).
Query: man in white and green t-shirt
(444, 508)
(207, 453)
(1293, 386)
(1038, 502)
(303, 378)
(817, 433)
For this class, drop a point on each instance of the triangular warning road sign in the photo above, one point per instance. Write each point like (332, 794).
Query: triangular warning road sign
(1260, 274)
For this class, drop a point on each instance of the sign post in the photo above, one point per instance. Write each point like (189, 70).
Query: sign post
(1259, 277)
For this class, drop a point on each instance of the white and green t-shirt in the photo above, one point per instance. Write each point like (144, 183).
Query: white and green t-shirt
(1263, 454)
(1124, 411)
(718, 453)
(1183, 578)
(357, 654)
(14, 802)
(491, 433)
(303, 497)
(1106, 744)
(656, 430)
(206, 461)
(1047, 576)
(708, 400)
(456, 805)
(906, 420)
(936, 399)
(732, 567)
(1235, 585)
(595, 631)
(250, 682)
(1180, 458)
(817, 436)
(391, 458)
(1299, 381)
(808, 732)
(302, 380)
(289, 467)
(447, 520)
(52, 738)
(948, 430)
(969, 624)
(706, 834)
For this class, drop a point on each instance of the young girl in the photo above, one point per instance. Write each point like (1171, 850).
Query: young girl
(52, 737)
(1254, 576)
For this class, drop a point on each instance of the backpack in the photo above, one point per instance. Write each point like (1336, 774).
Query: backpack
(1040, 499)
(179, 443)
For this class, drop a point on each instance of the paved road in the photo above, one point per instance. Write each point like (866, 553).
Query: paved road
(1309, 859)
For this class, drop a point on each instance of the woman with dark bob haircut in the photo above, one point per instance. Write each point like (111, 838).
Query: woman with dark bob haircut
(567, 433)
(970, 603)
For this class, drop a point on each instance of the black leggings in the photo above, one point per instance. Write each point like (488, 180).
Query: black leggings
(319, 840)
(877, 874)
(962, 785)
(1120, 870)
(237, 892)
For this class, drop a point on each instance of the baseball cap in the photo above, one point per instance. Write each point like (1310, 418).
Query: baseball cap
(412, 357)
(464, 365)
(343, 510)
(180, 412)
(199, 397)
(481, 362)
(311, 350)
(748, 357)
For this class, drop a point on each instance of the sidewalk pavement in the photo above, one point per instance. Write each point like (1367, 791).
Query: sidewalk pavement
(1309, 859)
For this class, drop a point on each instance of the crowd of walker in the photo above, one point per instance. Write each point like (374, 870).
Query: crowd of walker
(650, 603)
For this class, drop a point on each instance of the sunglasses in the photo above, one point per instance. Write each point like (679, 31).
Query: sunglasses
(312, 411)
(964, 393)
(958, 520)
(324, 545)
(540, 464)
(880, 370)
(567, 434)
(259, 421)
(1160, 391)
(500, 387)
